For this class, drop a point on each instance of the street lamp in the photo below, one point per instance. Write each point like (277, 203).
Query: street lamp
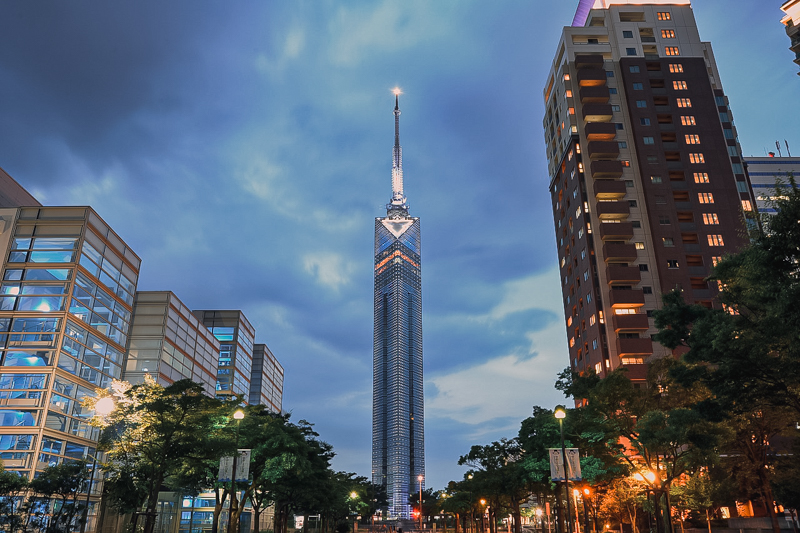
(561, 413)
(102, 408)
(420, 478)
(238, 415)
(483, 515)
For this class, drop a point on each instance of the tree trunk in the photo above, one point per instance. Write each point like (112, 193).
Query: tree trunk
(219, 501)
(517, 515)
(152, 502)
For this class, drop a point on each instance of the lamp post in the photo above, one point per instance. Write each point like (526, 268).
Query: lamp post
(353, 496)
(561, 413)
(420, 478)
(102, 407)
(483, 515)
(238, 415)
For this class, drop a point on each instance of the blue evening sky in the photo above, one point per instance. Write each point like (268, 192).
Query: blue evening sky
(243, 150)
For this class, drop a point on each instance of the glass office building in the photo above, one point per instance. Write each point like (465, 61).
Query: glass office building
(68, 285)
(266, 379)
(398, 441)
(236, 338)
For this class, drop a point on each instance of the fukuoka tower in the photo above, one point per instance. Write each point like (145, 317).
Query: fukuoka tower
(398, 433)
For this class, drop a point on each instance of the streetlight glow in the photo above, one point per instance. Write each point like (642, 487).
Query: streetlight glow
(560, 412)
(104, 406)
(238, 414)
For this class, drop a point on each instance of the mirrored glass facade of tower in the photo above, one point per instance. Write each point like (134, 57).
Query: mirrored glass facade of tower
(398, 440)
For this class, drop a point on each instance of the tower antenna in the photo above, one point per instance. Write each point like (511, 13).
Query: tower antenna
(398, 205)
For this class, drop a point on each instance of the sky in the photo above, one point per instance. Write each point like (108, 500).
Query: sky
(243, 150)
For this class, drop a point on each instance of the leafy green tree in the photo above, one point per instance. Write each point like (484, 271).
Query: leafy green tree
(12, 488)
(430, 503)
(61, 484)
(154, 436)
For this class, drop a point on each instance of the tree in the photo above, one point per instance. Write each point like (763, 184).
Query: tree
(154, 436)
(430, 503)
(60, 485)
(12, 488)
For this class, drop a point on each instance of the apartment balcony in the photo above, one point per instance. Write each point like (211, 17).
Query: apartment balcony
(626, 298)
(603, 149)
(618, 232)
(597, 113)
(594, 61)
(591, 77)
(627, 347)
(617, 252)
(600, 131)
(636, 322)
(594, 95)
(606, 169)
(609, 189)
(622, 275)
(613, 210)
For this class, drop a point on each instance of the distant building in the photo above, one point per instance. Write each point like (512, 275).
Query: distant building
(12, 194)
(792, 22)
(266, 379)
(169, 343)
(398, 432)
(236, 338)
(647, 182)
(765, 172)
(65, 311)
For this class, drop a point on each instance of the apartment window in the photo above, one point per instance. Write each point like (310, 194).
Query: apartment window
(672, 263)
(668, 242)
(571, 110)
(632, 203)
(627, 34)
(667, 34)
(620, 126)
(615, 107)
(629, 184)
(586, 276)
(612, 90)
(583, 253)
(609, 74)
(679, 85)
(723, 117)
(688, 120)
(710, 219)
(644, 121)
(676, 68)
(684, 102)
(732, 151)
(692, 139)
(634, 68)
(626, 162)
(589, 298)
(647, 290)
(705, 197)
(652, 159)
(569, 93)
(741, 186)
(649, 140)
(746, 205)
(737, 168)
(697, 158)
(701, 177)
(672, 51)
(566, 76)
(728, 133)
(571, 342)
(715, 260)
(639, 245)
(594, 344)
(638, 86)
(664, 15)
(622, 144)
(592, 320)
(720, 100)
(643, 267)
(715, 240)
(655, 179)
(630, 51)
(636, 224)
(663, 220)
(641, 103)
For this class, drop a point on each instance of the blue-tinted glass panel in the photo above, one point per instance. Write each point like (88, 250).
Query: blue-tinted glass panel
(93, 254)
(35, 325)
(13, 274)
(67, 363)
(47, 274)
(72, 347)
(42, 304)
(79, 311)
(11, 288)
(54, 243)
(51, 257)
(76, 332)
(43, 289)
(17, 257)
(23, 381)
(27, 358)
(17, 442)
(7, 303)
(86, 263)
(22, 243)
(11, 417)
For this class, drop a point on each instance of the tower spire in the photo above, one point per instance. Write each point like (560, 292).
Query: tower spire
(397, 207)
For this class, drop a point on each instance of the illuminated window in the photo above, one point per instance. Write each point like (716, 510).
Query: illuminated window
(639, 245)
(580, 167)
(672, 263)
(688, 120)
(578, 147)
(697, 158)
(592, 320)
(672, 51)
(569, 93)
(679, 85)
(701, 177)
(715, 240)
(626, 163)
(569, 155)
(684, 102)
(668, 242)
(715, 260)
(692, 139)
(569, 321)
(655, 179)
(664, 15)
(571, 342)
(566, 76)
(667, 34)
(705, 197)
(746, 205)
(571, 110)
(675, 68)
(710, 219)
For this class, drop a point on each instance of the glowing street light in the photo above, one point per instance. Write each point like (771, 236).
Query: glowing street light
(419, 477)
(102, 407)
(560, 413)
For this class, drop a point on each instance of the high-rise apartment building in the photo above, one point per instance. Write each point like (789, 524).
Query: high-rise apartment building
(169, 343)
(68, 285)
(398, 438)
(266, 380)
(765, 173)
(791, 20)
(646, 176)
